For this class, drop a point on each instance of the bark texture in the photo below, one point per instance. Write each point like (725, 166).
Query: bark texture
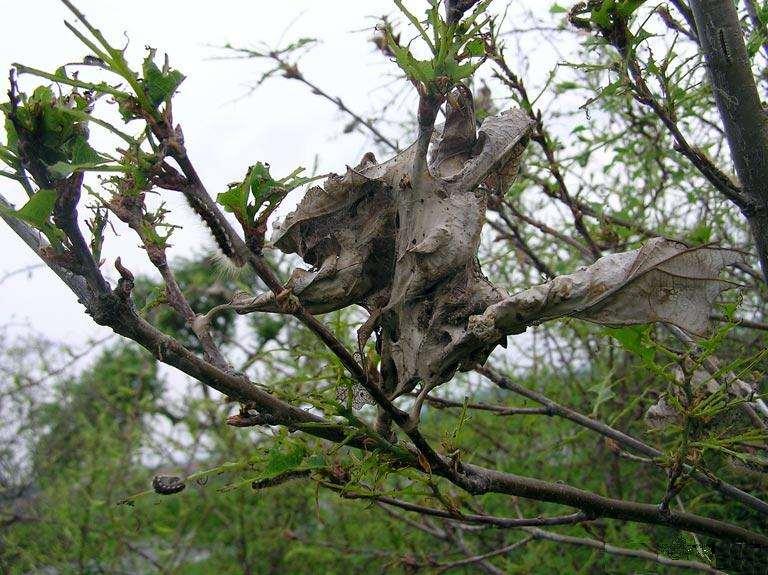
(738, 102)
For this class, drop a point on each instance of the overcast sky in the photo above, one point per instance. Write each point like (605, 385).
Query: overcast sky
(281, 123)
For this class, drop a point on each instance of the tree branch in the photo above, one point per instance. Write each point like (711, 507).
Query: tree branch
(37, 243)
(623, 439)
(738, 102)
(621, 551)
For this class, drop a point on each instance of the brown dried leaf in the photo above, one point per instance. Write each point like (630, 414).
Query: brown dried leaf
(664, 281)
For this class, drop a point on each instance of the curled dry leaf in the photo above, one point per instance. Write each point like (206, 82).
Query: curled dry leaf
(664, 281)
(661, 415)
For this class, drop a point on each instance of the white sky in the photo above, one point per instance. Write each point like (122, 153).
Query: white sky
(282, 123)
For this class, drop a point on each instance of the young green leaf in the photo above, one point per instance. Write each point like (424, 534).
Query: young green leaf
(38, 209)
(160, 85)
(37, 212)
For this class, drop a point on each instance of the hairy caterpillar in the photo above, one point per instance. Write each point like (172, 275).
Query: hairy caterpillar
(220, 229)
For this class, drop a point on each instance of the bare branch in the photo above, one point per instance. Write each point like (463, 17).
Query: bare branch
(621, 551)
(623, 439)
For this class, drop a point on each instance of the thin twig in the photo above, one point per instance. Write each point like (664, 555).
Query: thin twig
(623, 439)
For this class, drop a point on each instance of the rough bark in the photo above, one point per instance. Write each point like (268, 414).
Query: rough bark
(738, 102)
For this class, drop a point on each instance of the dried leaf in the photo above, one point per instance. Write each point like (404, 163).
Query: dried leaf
(359, 396)
(664, 281)
(661, 415)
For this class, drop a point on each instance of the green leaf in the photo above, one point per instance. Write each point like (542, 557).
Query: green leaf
(280, 460)
(475, 47)
(38, 209)
(12, 139)
(257, 183)
(602, 16)
(628, 7)
(457, 72)
(634, 339)
(61, 170)
(421, 70)
(82, 152)
(160, 86)
(235, 200)
(258, 189)
(79, 155)
(261, 184)
(37, 212)
(43, 95)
